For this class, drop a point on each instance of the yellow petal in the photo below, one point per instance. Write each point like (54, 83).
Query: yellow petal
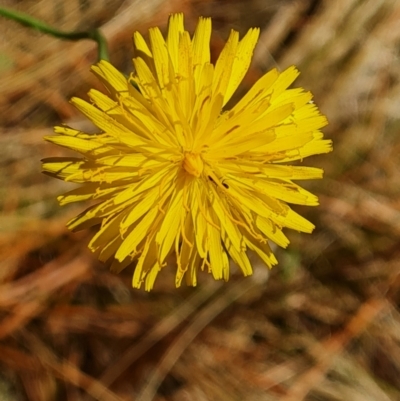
(84, 146)
(147, 267)
(218, 258)
(89, 191)
(185, 80)
(106, 233)
(170, 225)
(263, 251)
(187, 251)
(262, 89)
(139, 232)
(224, 65)
(221, 210)
(141, 46)
(111, 78)
(107, 124)
(201, 43)
(284, 80)
(161, 57)
(271, 231)
(240, 258)
(242, 61)
(199, 220)
(175, 29)
(62, 168)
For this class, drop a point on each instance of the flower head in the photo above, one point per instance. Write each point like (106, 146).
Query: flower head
(174, 173)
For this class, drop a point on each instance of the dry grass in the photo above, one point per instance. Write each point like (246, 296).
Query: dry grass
(325, 325)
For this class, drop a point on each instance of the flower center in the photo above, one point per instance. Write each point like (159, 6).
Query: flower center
(193, 163)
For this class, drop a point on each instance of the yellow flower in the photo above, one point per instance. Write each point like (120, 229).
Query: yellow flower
(174, 173)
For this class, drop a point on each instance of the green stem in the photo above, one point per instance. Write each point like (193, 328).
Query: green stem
(41, 26)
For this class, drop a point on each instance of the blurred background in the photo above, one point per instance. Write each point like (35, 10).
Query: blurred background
(323, 325)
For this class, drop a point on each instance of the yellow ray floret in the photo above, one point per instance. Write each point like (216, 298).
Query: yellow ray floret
(176, 175)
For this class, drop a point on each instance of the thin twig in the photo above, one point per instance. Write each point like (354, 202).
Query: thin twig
(34, 23)
(173, 320)
(67, 371)
(199, 322)
(327, 351)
